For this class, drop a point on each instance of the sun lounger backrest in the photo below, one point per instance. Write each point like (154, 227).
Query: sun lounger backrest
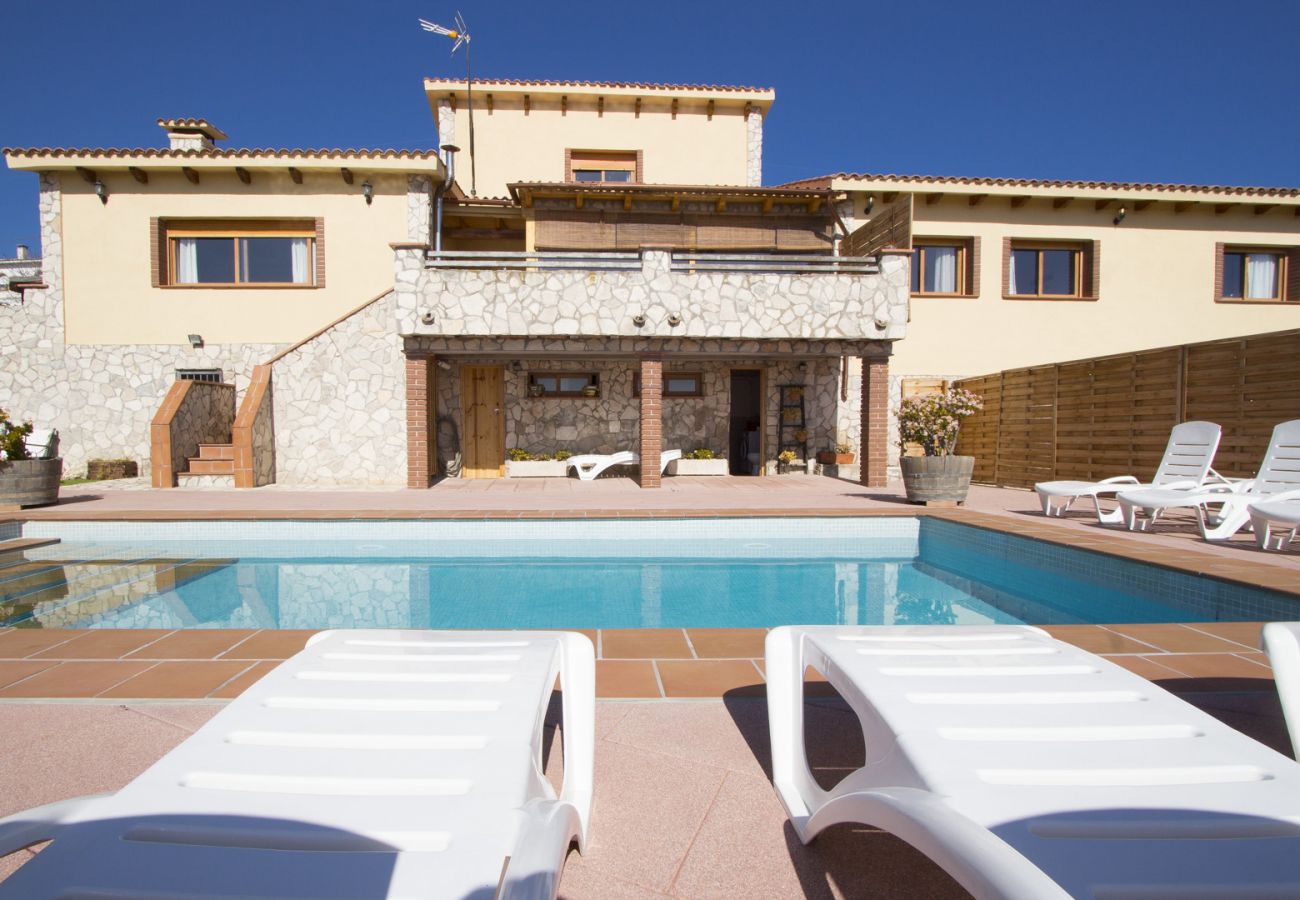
(1281, 468)
(1189, 454)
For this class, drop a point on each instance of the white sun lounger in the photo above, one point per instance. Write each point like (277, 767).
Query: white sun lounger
(372, 764)
(589, 465)
(1280, 509)
(1278, 474)
(1030, 769)
(1186, 464)
(665, 458)
(1281, 641)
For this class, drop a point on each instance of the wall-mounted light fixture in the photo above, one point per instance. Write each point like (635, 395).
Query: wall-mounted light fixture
(196, 340)
(101, 192)
(871, 203)
(444, 365)
(638, 320)
(368, 191)
(674, 319)
(427, 317)
(803, 367)
(1121, 215)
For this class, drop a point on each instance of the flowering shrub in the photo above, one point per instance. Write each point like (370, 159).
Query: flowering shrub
(702, 453)
(934, 420)
(12, 437)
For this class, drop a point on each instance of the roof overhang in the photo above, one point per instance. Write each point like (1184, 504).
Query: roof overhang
(785, 199)
(153, 160)
(719, 95)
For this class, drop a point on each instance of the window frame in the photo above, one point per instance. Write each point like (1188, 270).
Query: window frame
(664, 378)
(1083, 251)
(1285, 258)
(603, 161)
(593, 380)
(172, 230)
(967, 265)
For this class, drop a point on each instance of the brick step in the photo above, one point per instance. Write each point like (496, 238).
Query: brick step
(195, 481)
(216, 451)
(200, 466)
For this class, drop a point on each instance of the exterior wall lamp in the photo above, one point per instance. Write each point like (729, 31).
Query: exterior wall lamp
(196, 340)
(1121, 215)
(101, 192)
(871, 203)
(368, 191)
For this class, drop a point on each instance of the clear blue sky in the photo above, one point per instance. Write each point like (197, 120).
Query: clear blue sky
(1140, 90)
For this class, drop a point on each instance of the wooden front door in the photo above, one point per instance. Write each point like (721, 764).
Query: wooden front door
(483, 402)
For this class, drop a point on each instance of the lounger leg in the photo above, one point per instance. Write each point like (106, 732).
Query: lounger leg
(1051, 509)
(32, 826)
(1113, 517)
(578, 679)
(1232, 518)
(791, 776)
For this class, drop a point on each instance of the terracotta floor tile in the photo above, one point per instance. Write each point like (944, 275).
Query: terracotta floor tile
(190, 680)
(1096, 639)
(708, 677)
(626, 678)
(727, 643)
(1176, 638)
(76, 679)
(107, 643)
(270, 644)
(643, 643)
(1244, 633)
(16, 670)
(1146, 666)
(22, 642)
(1214, 665)
(196, 644)
(244, 681)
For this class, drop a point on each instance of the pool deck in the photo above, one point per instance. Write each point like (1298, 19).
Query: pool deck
(684, 806)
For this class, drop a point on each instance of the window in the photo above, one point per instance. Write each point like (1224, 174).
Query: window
(563, 384)
(676, 384)
(603, 166)
(945, 267)
(242, 253)
(211, 375)
(1050, 270)
(1256, 274)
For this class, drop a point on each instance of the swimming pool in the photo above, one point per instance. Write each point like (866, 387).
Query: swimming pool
(645, 573)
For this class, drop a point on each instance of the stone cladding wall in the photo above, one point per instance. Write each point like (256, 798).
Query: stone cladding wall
(11, 269)
(753, 147)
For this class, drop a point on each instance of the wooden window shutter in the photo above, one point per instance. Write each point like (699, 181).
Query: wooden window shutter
(1091, 270)
(1218, 272)
(973, 267)
(157, 253)
(1006, 267)
(320, 253)
(1292, 291)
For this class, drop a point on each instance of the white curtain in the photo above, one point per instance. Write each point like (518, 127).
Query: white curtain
(187, 261)
(1261, 276)
(943, 260)
(1011, 271)
(301, 259)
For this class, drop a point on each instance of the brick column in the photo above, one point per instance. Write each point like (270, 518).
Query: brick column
(419, 441)
(875, 422)
(652, 437)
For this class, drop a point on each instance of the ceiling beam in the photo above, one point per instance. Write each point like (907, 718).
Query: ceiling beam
(564, 104)
(889, 196)
(347, 175)
(1061, 202)
(710, 110)
(600, 107)
(1017, 202)
(489, 102)
(1099, 205)
(138, 174)
(295, 174)
(528, 104)
(243, 175)
(1262, 208)
(1142, 204)
(87, 175)
(977, 199)
(1183, 206)
(638, 108)
(1221, 208)
(190, 175)
(674, 107)
(932, 199)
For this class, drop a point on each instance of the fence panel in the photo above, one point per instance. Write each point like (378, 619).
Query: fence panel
(1111, 415)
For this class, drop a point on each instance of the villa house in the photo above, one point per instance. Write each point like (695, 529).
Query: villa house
(604, 272)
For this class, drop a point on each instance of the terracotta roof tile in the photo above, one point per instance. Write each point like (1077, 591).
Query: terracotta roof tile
(193, 124)
(246, 153)
(824, 181)
(645, 85)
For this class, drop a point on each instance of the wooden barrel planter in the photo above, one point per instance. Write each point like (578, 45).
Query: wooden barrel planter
(30, 482)
(937, 479)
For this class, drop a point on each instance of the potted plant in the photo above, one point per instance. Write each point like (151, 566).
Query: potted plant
(842, 455)
(932, 422)
(700, 461)
(785, 459)
(25, 481)
(522, 464)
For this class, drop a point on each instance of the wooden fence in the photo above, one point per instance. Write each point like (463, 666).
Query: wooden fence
(1111, 415)
(890, 227)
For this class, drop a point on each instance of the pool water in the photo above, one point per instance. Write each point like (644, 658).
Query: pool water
(586, 574)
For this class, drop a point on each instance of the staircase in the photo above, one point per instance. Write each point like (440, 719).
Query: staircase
(214, 467)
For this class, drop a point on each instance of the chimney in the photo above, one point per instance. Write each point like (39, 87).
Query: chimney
(23, 252)
(191, 134)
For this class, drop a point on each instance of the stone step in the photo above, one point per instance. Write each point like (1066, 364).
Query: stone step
(216, 451)
(200, 466)
(196, 481)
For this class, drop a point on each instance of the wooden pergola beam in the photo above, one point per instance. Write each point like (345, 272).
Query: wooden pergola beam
(1262, 208)
(1061, 202)
(1142, 204)
(1221, 208)
(295, 174)
(138, 174)
(87, 175)
(977, 199)
(1017, 202)
(190, 174)
(1183, 206)
(242, 174)
(932, 199)
(1099, 205)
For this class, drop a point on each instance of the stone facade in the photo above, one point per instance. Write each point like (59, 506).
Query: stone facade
(459, 302)
(340, 405)
(753, 146)
(13, 270)
(446, 122)
(419, 208)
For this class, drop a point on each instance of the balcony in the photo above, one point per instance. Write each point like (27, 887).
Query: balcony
(651, 294)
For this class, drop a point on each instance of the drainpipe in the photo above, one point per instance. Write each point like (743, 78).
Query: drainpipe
(449, 153)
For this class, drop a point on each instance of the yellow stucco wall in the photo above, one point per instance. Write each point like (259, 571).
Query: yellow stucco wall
(510, 146)
(106, 255)
(1157, 283)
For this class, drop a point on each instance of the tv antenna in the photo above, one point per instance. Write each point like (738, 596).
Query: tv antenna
(460, 34)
